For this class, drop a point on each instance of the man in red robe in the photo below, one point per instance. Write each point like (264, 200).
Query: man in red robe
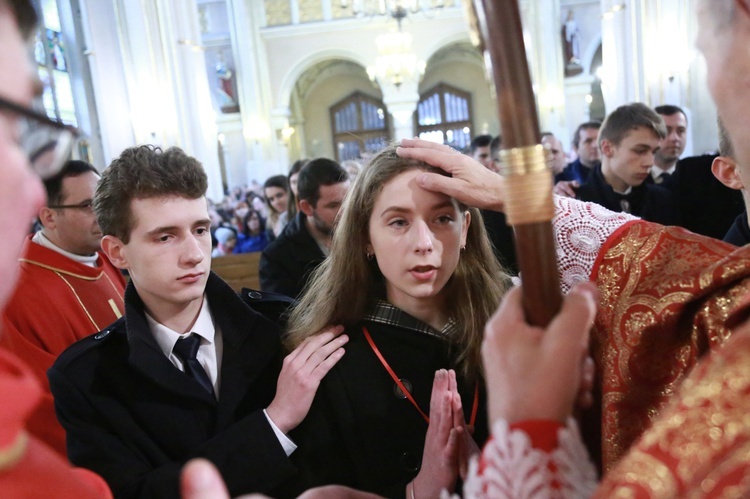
(67, 288)
(28, 468)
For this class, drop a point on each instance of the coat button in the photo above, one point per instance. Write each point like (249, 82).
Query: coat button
(397, 389)
(410, 462)
(102, 335)
(254, 295)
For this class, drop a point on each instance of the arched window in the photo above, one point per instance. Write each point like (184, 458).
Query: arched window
(444, 116)
(360, 124)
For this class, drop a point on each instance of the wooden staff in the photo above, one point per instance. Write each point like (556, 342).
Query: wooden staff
(528, 197)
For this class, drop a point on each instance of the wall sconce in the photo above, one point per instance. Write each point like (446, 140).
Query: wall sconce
(256, 129)
(287, 132)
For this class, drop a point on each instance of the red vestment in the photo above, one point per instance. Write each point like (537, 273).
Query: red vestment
(667, 296)
(28, 468)
(674, 383)
(57, 302)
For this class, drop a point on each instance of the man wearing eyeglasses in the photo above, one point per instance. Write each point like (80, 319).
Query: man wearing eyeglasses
(28, 468)
(63, 273)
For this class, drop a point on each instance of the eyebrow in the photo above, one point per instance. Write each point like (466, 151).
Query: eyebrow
(170, 228)
(400, 209)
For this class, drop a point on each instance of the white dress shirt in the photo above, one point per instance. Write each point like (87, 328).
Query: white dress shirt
(209, 355)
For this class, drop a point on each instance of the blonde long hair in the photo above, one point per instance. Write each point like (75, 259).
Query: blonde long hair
(345, 284)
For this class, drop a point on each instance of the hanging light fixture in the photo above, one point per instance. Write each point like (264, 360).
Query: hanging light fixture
(396, 63)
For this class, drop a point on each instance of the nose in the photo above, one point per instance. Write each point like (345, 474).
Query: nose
(424, 238)
(192, 251)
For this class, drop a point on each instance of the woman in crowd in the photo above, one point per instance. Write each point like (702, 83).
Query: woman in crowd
(413, 279)
(291, 207)
(253, 236)
(276, 194)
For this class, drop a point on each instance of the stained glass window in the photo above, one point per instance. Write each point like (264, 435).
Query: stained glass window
(360, 126)
(444, 116)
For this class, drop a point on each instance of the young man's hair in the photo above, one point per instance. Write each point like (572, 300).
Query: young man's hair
(72, 168)
(317, 172)
(144, 172)
(627, 118)
(479, 141)
(589, 125)
(725, 143)
(669, 110)
(24, 13)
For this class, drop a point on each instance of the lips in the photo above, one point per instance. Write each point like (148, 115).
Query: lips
(423, 272)
(191, 278)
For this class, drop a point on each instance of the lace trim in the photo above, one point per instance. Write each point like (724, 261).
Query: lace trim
(514, 469)
(580, 231)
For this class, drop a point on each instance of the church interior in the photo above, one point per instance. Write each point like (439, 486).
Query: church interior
(250, 86)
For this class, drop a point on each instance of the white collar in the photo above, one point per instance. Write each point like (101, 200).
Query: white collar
(166, 337)
(42, 240)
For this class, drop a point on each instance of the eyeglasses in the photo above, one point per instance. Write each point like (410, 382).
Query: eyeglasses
(86, 205)
(47, 142)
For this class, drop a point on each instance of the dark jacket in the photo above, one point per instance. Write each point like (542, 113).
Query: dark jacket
(739, 233)
(706, 205)
(286, 263)
(502, 239)
(135, 419)
(648, 201)
(359, 431)
(574, 171)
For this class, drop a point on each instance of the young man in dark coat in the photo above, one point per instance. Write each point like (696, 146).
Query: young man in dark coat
(287, 263)
(628, 140)
(192, 369)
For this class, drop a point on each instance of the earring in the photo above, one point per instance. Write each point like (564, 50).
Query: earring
(463, 247)
(369, 255)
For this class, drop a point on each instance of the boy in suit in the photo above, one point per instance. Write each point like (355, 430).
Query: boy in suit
(192, 369)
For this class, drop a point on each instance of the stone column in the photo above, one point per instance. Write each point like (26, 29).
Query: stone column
(401, 103)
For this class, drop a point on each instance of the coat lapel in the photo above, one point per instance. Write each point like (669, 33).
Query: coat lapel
(146, 356)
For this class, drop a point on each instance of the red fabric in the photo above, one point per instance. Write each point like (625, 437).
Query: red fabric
(667, 297)
(543, 433)
(38, 471)
(57, 302)
(700, 442)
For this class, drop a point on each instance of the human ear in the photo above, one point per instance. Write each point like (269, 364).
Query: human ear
(113, 248)
(726, 171)
(465, 228)
(47, 217)
(607, 148)
(305, 207)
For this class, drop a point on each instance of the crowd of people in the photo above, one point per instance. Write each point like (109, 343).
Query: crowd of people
(387, 344)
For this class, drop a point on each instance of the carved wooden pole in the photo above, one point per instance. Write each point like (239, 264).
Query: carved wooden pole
(528, 197)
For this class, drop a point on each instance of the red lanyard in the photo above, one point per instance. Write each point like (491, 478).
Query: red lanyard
(405, 391)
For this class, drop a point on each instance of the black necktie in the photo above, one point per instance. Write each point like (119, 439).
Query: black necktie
(662, 177)
(186, 349)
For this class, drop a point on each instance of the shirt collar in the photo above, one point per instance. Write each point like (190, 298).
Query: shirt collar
(383, 312)
(166, 337)
(42, 240)
(657, 171)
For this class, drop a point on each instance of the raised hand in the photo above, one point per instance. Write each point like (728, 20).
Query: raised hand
(470, 182)
(300, 376)
(535, 373)
(440, 457)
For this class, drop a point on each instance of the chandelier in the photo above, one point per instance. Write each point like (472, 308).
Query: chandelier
(396, 63)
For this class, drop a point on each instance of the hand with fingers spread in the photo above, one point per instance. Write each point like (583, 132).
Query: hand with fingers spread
(440, 456)
(470, 182)
(566, 188)
(300, 376)
(534, 373)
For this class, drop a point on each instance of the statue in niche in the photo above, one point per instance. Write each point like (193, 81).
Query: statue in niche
(227, 94)
(571, 46)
